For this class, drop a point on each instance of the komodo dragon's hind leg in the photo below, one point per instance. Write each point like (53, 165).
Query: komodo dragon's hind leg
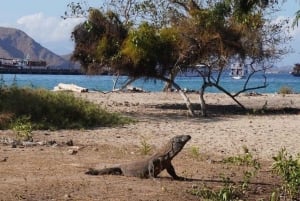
(112, 171)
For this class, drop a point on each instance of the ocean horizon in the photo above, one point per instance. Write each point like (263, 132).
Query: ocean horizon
(105, 83)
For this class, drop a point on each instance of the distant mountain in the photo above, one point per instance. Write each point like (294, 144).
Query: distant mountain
(15, 43)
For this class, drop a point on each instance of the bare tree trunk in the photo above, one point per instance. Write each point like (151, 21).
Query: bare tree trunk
(187, 102)
(230, 95)
(168, 84)
(202, 101)
(185, 98)
(115, 81)
(129, 81)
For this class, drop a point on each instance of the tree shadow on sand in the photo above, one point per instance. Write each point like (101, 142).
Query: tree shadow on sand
(219, 110)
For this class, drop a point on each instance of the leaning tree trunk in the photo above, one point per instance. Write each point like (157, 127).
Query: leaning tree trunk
(187, 102)
(169, 83)
(184, 96)
(202, 101)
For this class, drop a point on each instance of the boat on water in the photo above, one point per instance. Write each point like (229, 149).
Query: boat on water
(238, 71)
(296, 70)
(28, 66)
(22, 64)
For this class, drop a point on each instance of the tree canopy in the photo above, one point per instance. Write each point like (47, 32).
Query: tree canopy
(150, 41)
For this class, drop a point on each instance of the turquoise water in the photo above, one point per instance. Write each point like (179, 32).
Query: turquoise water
(105, 83)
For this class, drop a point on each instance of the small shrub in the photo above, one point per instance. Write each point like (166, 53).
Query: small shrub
(55, 110)
(226, 193)
(245, 159)
(288, 169)
(195, 153)
(23, 128)
(285, 90)
(145, 147)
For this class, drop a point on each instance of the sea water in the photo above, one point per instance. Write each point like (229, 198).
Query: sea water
(105, 83)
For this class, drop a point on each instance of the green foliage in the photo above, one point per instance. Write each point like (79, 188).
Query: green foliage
(54, 110)
(285, 90)
(23, 128)
(230, 190)
(98, 40)
(145, 147)
(245, 160)
(150, 52)
(227, 193)
(288, 168)
(195, 153)
(141, 46)
(169, 46)
(213, 33)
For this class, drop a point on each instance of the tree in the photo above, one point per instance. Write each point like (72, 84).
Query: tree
(185, 33)
(98, 41)
(223, 32)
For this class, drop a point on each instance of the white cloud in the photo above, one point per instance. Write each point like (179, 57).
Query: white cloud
(51, 31)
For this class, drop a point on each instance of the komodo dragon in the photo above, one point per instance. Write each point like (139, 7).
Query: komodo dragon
(152, 166)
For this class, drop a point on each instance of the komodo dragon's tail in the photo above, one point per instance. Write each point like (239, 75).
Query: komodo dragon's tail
(112, 171)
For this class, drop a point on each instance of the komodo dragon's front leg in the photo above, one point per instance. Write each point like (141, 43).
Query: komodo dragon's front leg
(171, 170)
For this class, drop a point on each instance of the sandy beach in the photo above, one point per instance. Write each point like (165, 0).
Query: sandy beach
(163, 115)
(56, 171)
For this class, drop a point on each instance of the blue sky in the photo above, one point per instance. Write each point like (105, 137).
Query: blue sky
(41, 20)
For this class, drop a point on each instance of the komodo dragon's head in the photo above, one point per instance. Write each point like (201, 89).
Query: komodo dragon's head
(177, 143)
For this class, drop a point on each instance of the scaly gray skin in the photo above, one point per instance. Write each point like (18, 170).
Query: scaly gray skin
(152, 166)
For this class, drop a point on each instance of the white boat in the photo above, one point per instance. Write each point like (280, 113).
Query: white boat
(238, 71)
(22, 64)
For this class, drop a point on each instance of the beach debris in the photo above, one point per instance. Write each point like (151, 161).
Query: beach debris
(29, 144)
(6, 140)
(23, 143)
(72, 151)
(4, 159)
(70, 143)
(253, 93)
(70, 87)
(130, 88)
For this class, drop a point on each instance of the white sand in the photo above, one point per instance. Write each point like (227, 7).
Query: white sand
(263, 135)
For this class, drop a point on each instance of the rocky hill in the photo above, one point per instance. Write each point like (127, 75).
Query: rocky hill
(15, 43)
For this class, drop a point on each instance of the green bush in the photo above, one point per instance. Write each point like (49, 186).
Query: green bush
(23, 128)
(288, 168)
(285, 90)
(228, 192)
(53, 110)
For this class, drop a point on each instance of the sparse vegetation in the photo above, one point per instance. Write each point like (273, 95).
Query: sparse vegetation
(284, 90)
(285, 165)
(145, 147)
(288, 168)
(51, 110)
(231, 190)
(245, 159)
(195, 153)
(227, 193)
(23, 128)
